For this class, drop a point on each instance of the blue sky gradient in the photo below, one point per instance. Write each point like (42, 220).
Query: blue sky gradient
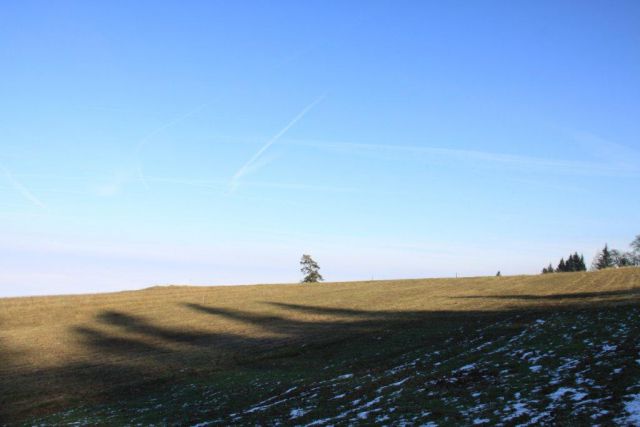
(216, 142)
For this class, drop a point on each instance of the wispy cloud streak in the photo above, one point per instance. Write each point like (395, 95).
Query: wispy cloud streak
(483, 158)
(214, 184)
(127, 173)
(618, 154)
(20, 188)
(142, 178)
(251, 162)
(144, 141)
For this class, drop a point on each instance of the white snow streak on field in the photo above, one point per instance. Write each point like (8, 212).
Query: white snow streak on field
(567, 390)
(633, 409)
(296, 413)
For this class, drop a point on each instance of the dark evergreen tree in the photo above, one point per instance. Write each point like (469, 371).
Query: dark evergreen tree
(606, 257)
(574, 262)
(562, 267)
(582, 265)
(603, 259)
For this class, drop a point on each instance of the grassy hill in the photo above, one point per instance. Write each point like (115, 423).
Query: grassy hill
(559, 348)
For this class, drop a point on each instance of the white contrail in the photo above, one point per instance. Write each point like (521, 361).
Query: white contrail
(167, 125)
(142, 178)
(113, 186)
(577, 167)
(243, 170)
(22, 189)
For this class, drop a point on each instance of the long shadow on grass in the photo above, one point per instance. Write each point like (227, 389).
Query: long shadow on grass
(299, 328)
(128, 355)
(10, 359)
(7, 359)
(619, 295)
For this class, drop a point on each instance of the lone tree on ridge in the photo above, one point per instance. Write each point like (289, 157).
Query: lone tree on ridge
(603, 259)
(310, 269)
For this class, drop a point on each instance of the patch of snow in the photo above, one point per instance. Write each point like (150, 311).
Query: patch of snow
(480, 421)
(468, 367)
(608, 347)
(518, 409)
(599, 414)
(561, 392)
(261, 408)
(633, 409)
(486, 344)
(319, 422)
(372, 402)
(535, 368)
(296, 413)
(397, 383)
(537, 418)
(579, 396)
(536, 358)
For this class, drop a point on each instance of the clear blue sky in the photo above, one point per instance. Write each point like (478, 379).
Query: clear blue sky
(216, 142)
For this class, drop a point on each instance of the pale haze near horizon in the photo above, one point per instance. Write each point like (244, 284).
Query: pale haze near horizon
(215, 143)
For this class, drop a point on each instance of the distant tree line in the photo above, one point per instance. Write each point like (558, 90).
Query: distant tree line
(574, 262)
(606, 258)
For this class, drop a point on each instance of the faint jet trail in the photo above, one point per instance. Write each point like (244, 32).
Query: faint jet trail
(167, 125)
(113, 186)
(247, 166)
(22, 189)
(142, 178)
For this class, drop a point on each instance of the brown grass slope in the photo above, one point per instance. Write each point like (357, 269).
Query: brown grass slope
(61, 350)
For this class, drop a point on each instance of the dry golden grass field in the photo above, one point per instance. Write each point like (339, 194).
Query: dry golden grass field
(62, 352)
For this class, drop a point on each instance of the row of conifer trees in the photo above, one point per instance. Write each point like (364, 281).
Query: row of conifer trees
(574, 262)
(606, 258)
